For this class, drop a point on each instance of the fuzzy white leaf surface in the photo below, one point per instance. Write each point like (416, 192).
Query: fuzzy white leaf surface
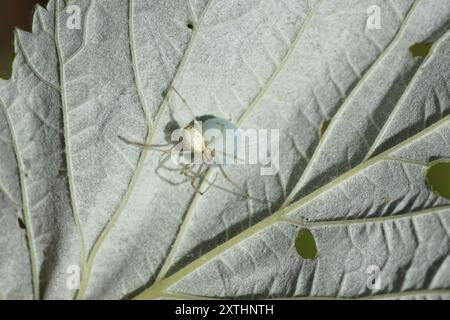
(93, 203)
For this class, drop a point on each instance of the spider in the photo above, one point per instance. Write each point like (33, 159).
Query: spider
(195, 143)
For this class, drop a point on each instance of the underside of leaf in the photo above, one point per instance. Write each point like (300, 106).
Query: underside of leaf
(361, 118)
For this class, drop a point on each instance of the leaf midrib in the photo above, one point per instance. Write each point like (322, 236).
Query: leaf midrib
(254, 103)
(243, 117)
(67, 144)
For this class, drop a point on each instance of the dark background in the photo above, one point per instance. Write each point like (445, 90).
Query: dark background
(13, 13)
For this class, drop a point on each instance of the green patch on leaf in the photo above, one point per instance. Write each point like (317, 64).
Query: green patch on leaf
(305, 244)
(420, 49)
(438, 178)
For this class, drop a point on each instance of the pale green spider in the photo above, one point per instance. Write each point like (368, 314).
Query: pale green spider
(194, 139)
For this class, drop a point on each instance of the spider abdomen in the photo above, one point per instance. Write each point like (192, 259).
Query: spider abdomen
(221, 138)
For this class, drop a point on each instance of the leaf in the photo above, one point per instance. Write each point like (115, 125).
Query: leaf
(91, 201)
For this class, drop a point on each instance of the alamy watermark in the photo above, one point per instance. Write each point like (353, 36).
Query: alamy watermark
(374, 18)
(235, 146)
(74, 17)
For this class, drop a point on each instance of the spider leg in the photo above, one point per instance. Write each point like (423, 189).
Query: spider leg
(184, 102)
(195, 175)
(225, 175)
(210, 184)
(186, 168)
(154, 147)
(161, 165)
(198, 175)
(180, 170)
(199, 170)
(171, 182)
(166, 158)
(162, 162)
(195, 187)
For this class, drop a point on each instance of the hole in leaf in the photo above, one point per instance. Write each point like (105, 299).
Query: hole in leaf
(438, 178)
(21, 223)
(420, 49)
(324, 127)
(305, 244)
(190, 25)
